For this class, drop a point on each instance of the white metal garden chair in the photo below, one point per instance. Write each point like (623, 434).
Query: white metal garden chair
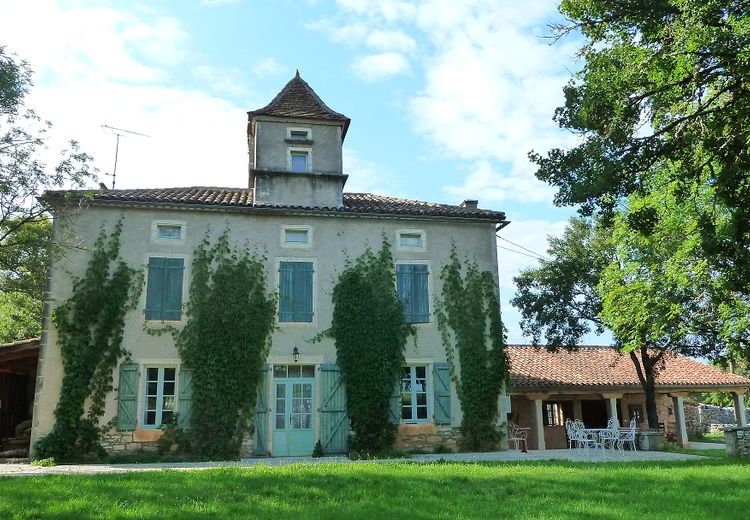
(518, 436)
(628, 435)
(609, 437)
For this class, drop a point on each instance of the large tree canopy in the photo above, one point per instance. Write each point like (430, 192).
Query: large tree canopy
(25, 229)
(663, 83)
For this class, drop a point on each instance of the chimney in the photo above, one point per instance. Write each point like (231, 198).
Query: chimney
(469, 203)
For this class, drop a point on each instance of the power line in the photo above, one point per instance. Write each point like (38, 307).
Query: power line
(520, 253)
(542, 257)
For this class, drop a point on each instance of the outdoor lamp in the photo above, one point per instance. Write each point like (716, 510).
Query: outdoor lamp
(295, 354)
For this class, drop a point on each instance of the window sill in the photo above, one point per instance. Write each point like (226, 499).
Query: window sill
(299, 141)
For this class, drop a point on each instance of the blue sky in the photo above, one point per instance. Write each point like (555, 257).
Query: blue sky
(446, 97)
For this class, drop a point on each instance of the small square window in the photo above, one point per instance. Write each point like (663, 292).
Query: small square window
(411, 240)
(295, 236)
(169, 231)
(298, 161)
(298, 135)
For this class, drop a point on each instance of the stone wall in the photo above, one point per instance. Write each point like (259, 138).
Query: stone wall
(707, 418)
(115, 442)
(426, 437)
(738, 442)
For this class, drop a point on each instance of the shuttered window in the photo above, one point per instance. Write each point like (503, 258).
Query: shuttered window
(296, 292)
(164, 289)
(159, 405)
(411, 284)
(414, 394)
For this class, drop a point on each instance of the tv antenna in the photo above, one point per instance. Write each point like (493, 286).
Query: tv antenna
(119, 132)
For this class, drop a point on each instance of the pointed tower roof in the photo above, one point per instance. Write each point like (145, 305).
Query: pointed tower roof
(298, 99)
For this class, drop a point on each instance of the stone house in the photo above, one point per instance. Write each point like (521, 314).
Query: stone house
(595, 383)
(294, 210)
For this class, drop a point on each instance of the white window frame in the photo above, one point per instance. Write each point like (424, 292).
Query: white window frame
(299, 149)
(277, 264)
(427, 391)
(295, 245)
(423, 240)
(159, 393)
(155, 232)
(291, 129)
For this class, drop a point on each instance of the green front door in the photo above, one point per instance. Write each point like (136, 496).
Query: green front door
(294, 418)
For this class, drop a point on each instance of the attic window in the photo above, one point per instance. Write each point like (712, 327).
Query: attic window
(169, 232)
(298, 135)
(411, 240)
(295, 236)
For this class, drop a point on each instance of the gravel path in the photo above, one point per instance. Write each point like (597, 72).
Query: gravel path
(508, 456)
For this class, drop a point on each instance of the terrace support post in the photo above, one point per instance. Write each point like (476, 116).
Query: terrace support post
(679, 417)
(577, 410)
(537, 418)
(739, 408)
(611, 401)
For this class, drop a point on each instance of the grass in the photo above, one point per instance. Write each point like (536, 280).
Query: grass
(710, 488)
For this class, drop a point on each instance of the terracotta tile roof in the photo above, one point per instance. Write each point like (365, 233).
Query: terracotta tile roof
(536, 369)
(298, 99)
(354, 203)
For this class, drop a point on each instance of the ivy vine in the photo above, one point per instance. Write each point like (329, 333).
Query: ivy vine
(90, 331)
(370, 334)
(230, 317)
(468, 318)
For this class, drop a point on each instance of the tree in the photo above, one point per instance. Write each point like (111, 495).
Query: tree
(25, 229)
(663, 84)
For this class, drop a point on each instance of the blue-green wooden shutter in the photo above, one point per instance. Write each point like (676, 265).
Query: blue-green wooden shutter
(302, 287)
(441, 384)
(155, 288)
(286, 300)
(261, 415)
(127, 395)
(334, 422)
(296, 292)
(185, 403)
(172, 305)
(403, 288)
(420, 297)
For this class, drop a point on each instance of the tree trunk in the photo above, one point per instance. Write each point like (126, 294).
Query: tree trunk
(644, 367)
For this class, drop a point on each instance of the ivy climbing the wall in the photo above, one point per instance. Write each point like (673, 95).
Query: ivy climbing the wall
(89, 330)
(230, 317)
(370, 333)
(468, 317)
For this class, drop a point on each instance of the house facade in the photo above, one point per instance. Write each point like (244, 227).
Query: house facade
(295, 212)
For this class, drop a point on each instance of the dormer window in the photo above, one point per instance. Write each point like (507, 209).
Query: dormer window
(299, 160)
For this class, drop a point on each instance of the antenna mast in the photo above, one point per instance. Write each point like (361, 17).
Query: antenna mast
(119, 132)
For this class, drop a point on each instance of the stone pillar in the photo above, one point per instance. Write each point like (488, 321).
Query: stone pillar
(679, 417)
(739, 408)
(611, 400)
(537, 421)
(577, 412)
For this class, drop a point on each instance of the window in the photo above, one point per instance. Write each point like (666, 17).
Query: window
(298, 135)
(164, 289)
(411, 284)
(414, 394)
(555, 412)
(635, 411)
(298, 161)
(285, 371)
(159, 396)
(410, 240)
(296, 292)
(169, 231)
(295, 236)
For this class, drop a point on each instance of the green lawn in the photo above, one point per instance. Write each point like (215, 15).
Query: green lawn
(709, 488)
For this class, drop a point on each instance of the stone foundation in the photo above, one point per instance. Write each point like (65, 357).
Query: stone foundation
(738, 442)
(426, 437)
(115, 442)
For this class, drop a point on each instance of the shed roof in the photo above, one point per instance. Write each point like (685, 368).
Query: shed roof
(590, 368)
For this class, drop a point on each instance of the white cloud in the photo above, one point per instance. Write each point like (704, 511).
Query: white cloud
(224, 81)
(494, 186)
(390, 41)
(377, 67)
(366, 176)
(219, 2)
(267, 67)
